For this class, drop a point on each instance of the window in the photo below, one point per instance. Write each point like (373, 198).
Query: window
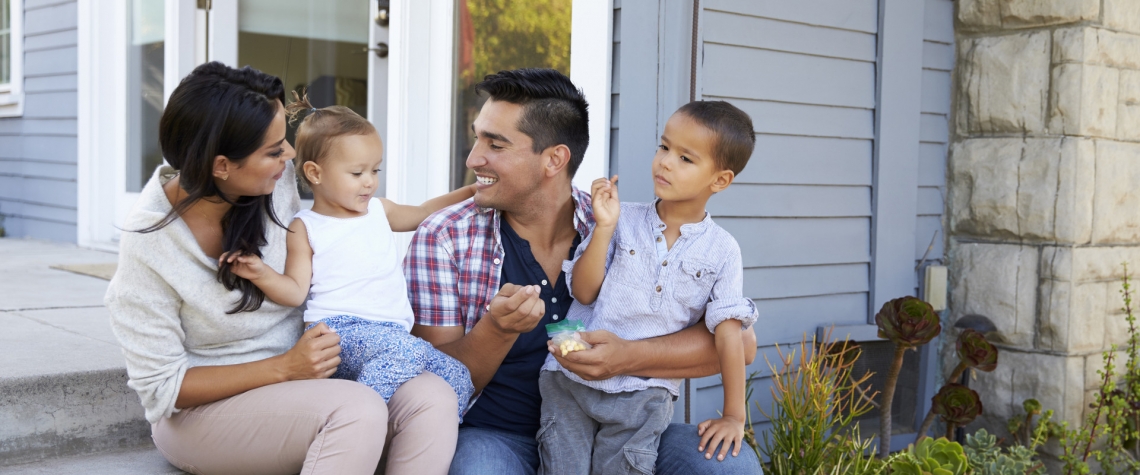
(492, 36)
(146, 55)
(11, 58)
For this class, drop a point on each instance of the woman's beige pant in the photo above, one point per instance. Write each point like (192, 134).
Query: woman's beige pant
(316, 427)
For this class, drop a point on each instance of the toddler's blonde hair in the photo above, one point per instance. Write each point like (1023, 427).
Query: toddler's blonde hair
(317, 130)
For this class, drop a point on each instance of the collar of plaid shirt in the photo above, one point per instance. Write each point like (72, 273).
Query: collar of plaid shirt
(455, 262)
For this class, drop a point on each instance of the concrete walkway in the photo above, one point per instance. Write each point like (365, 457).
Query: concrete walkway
(64, 403)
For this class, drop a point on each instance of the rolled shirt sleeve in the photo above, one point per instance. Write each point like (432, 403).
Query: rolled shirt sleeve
(727, 298)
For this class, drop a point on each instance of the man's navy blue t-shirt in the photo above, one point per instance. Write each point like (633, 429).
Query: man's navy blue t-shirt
(511, 401)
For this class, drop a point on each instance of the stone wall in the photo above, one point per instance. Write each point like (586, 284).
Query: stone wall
(1044, 190)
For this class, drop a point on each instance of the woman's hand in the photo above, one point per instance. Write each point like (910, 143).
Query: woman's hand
(728, 429)
(315, 356)
(604, 195)
(246, 266)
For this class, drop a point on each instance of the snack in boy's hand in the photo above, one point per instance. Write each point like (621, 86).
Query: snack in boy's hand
(565, 335)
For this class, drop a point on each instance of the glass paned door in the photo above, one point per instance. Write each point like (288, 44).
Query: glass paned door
(316, 47)
(145, 73)
(492, 35)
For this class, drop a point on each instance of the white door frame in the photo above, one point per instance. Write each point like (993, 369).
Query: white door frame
(101, 115)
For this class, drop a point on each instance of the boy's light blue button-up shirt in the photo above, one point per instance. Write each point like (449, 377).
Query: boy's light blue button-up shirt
(651, 290)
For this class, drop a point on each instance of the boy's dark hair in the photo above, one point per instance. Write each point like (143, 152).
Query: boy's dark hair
(735, 137)
(554, 111)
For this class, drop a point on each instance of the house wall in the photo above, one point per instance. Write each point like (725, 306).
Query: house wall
(38, 150)
(937, 65)
(802, 210)
(1043, 194)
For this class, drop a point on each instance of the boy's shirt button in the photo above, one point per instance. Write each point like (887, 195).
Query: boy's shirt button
(658, 288)
(664, 263)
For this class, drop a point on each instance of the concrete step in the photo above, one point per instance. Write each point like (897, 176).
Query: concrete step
(63, 380)
(139, 460)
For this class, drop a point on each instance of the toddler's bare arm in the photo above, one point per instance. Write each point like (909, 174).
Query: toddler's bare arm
(290, 288)
(405, 218)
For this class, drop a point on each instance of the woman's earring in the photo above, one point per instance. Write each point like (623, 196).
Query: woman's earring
(227, 177)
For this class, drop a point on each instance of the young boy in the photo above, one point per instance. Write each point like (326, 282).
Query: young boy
(655, 270)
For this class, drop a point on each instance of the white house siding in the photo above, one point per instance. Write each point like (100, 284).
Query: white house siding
(38, 151)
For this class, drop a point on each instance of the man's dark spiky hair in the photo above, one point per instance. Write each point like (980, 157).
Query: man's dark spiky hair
(554, 111)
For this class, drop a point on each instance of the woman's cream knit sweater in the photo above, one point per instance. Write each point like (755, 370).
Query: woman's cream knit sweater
(168, 310)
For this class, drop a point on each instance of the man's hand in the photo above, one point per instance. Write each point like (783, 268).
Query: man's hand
(602, 361)
(516, 308)
(604, 196)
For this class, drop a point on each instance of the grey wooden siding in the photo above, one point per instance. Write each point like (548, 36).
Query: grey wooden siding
(615, 91)
(937, 63)
(38, 151)
(801, 209)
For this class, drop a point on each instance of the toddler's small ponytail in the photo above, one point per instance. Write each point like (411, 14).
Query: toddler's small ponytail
(299, 107)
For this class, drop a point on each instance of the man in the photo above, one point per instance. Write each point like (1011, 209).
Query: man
(526, 219)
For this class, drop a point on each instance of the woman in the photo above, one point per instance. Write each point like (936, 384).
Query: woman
(228, 381)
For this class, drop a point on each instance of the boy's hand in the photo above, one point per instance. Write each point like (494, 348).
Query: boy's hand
(604, 194)
(246, 266)
(728, 429)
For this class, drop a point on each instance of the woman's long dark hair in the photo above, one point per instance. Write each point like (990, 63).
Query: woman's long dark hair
(219, 110)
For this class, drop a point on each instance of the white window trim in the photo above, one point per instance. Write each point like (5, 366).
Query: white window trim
(12, 94)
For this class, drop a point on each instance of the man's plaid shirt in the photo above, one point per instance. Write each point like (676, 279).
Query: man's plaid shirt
(455, 263)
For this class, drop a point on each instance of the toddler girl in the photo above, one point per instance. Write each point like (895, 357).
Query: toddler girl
(342, 256)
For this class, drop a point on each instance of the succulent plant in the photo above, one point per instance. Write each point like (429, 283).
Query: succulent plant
(986, 458)
(975, 352)
(1032, 407)
(957, 404)
(981, 448)
(908, 321)
(932, 457)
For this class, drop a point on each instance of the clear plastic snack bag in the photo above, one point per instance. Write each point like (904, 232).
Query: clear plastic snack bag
(565, 336)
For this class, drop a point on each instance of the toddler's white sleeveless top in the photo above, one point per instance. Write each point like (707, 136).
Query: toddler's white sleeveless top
(356, 269)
